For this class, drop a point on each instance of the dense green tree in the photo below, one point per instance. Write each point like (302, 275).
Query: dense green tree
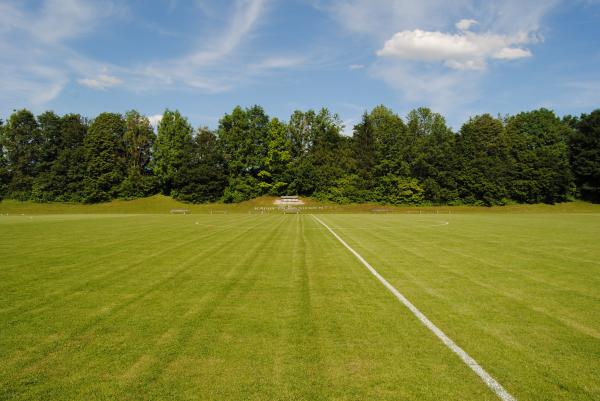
(105, 158)
(277, 160)
(173, 141)
(320, 154)
(584, 149)
(69, 169)
(396, 190)
(346, 189)
(138, 141)
(4, 174)
(365, 151)
(432, 153)
(50, 139)
(202, 177)
(244, 139)
(62, 176)
(483, 161)
(530, 157)
(49, 147)
(21, 141)
(300, 135)
(389, 132)
(539, 162)
(330, 153)
(379, 150)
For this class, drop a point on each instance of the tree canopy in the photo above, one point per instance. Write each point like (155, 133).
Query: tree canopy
(530, 157)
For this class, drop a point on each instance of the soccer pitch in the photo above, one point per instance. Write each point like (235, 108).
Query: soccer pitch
(274, 307)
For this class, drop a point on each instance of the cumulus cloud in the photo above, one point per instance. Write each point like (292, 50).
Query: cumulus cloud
(466, 24)
(428, 58)
(510, 53)
(465, 50)
(100, 82)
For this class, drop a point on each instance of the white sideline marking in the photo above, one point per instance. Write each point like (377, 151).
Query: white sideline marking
(466, 358)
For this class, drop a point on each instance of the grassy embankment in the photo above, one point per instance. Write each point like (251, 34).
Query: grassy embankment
(160, 204)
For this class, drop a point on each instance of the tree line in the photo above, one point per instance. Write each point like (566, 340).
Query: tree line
(530, 157)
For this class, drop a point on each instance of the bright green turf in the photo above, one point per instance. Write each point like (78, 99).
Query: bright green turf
(246, 307)
(520, 293)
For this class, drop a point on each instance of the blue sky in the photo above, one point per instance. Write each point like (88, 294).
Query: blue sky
(203, 57)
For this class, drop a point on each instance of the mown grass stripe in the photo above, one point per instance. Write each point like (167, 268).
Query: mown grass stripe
(466, 358)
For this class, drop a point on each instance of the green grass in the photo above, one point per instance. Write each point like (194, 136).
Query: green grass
(272, 307)
(160, 204)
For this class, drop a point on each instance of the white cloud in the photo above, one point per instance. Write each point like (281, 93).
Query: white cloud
(215, 66)
(348, 124)
(47, 62)
(245, 15)
(511, 53)
(356, 66)
(465, 50)
(35, 61)
(382, 18)
(101, 82)
(466, 24)
(278, 62)
(155, 119)
(64, 19)
(428, 58)
(442, 89)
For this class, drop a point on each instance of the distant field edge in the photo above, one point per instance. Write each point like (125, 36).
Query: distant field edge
(160, 204)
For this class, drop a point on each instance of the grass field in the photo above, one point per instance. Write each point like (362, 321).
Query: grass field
(159, 204)
(273, 307)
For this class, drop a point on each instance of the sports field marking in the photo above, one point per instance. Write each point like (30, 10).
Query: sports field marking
(466, 358)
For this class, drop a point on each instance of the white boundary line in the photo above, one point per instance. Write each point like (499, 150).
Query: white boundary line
(466, 358)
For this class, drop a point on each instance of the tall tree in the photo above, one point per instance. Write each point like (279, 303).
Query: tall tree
(483, 161)
(173, 140)
(202, 176)
(105, 157)
(320, 155)
(244, 137)
(21, 141)
(539, 170)
(273, 178)
(138, 141)
(4, 174)
(584, 144)
(432, 154)
(381, 154)
(365, 150)
(390, 137)
(300, 135)
(69, 170)
(49, 148)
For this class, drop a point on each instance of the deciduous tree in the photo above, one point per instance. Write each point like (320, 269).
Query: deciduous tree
(173, 141)
(21, 141)
(105, 158)
(539, 161)
(584, 144)
(138, 141)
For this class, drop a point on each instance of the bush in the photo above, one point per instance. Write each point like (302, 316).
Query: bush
(241, 189)
(399, 190)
